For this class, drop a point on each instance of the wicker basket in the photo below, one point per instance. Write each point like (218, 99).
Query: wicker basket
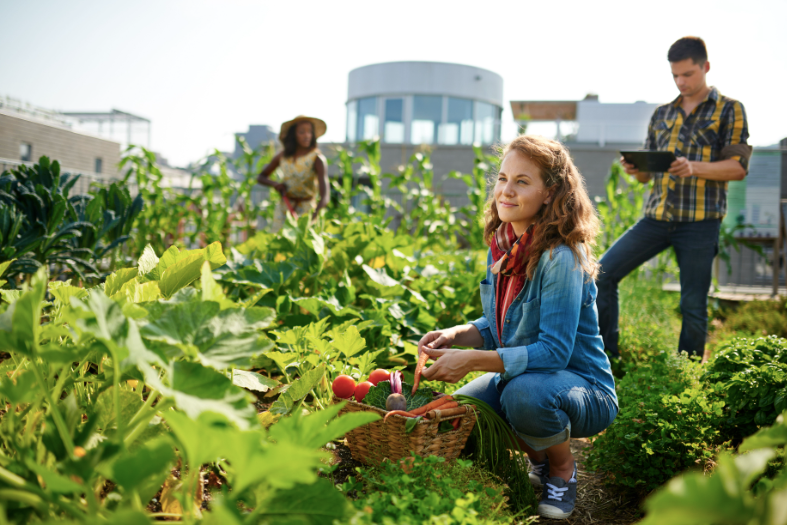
(374, 442)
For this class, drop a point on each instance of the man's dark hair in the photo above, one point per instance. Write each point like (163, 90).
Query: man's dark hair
(691, 47)
(291, 143)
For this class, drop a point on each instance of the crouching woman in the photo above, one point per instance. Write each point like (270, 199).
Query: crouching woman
(549, 376)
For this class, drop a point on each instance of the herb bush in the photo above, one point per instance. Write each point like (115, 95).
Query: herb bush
(742, 490)
(750, 376)
(666, 424)
(428, 490)
(758, 318)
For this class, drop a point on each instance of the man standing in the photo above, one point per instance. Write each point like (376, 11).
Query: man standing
(707, 132)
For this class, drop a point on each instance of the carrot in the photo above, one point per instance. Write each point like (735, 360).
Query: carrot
(432, 405)
(398, 413)
(419, 367)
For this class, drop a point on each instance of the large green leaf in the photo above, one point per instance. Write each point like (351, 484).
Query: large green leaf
(211, 290)
(4, 266)
(104, 409)
(253, 381)
(775, 436)
(220, 338)
(320, 307)
(197, 389)
(319, 428)
(349, 342)
(724, 497)
(148, 264)
(187, 269)
(63, 291)
(279, 465)
(20, 324)
(147, 465)
(312, 504)
(118, 279)
(298, 390)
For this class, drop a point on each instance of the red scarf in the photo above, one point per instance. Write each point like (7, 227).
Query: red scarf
(510, 255)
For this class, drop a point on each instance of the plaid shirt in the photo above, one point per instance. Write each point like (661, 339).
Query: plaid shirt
(707, 135)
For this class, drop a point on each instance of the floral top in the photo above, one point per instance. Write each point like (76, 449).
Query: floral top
(299, 175)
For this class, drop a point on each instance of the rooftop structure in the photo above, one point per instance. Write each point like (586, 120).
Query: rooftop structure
(424, 103)
(597, 122)
(116, 125)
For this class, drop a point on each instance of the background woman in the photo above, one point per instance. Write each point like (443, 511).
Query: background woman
(302, 169)
(550, 378)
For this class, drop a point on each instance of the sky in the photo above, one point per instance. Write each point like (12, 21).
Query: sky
(202, 70)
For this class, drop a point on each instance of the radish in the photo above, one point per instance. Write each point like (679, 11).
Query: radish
(396, 401)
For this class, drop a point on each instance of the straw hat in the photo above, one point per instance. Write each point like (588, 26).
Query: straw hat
(319, 126)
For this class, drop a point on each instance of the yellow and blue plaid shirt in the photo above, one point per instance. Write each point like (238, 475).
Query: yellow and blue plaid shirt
(709, 134)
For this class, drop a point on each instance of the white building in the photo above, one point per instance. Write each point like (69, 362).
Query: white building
(424, 103)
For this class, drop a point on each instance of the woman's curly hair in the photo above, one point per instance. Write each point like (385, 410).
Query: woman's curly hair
(569, 218)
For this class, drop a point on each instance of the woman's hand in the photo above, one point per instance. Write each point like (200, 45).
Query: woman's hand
(437, 339)
(450, 365)
(280, 187)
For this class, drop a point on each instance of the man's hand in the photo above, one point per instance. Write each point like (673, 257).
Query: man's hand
(450, 365)
(628, 168)
(280, 187)
(681, 167)
(641, 176)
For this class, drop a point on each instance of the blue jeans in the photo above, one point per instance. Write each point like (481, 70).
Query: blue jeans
(695, 243)
(546, 409)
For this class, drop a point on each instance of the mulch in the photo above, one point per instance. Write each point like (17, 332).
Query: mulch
(596, 501)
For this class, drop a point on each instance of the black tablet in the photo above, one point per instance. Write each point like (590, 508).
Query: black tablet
(649, 161)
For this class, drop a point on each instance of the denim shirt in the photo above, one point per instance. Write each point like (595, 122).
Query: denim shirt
(552, 324)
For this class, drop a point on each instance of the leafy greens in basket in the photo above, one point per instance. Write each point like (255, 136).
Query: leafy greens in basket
(378, 394)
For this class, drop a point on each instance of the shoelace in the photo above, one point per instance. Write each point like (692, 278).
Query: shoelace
(555, 493)
(536, 468)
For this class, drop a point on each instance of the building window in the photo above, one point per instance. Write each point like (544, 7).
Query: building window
(352, 120)
(487, 123)
(458, 128)
(393, 129)
(99, 165)
(26, 152)
(427, 115)
(368, 121)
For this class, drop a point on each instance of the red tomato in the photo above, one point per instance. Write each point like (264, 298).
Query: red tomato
(343, 386)
(379, 375)
(361, 390)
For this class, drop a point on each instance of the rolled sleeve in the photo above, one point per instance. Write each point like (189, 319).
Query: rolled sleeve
(561, 303)
(482, 325)
(735, 134)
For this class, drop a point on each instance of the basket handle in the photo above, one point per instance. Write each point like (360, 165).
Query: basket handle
(438, 415)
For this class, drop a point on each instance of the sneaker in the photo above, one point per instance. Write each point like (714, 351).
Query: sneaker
(539, 473)
(558, 498)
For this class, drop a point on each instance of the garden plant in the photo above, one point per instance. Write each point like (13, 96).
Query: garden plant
(162, 357)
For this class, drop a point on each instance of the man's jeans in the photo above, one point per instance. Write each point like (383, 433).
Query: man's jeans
(695, 243)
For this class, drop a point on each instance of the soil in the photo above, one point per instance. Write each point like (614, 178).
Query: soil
(597, 502)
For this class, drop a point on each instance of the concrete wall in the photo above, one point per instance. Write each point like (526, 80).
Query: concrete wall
(73, 150)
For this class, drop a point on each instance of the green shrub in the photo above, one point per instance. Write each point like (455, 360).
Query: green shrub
(750, 375)
(759, 318)
(666, 424)
(427, 490)
(649, 324)
(726, 496)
